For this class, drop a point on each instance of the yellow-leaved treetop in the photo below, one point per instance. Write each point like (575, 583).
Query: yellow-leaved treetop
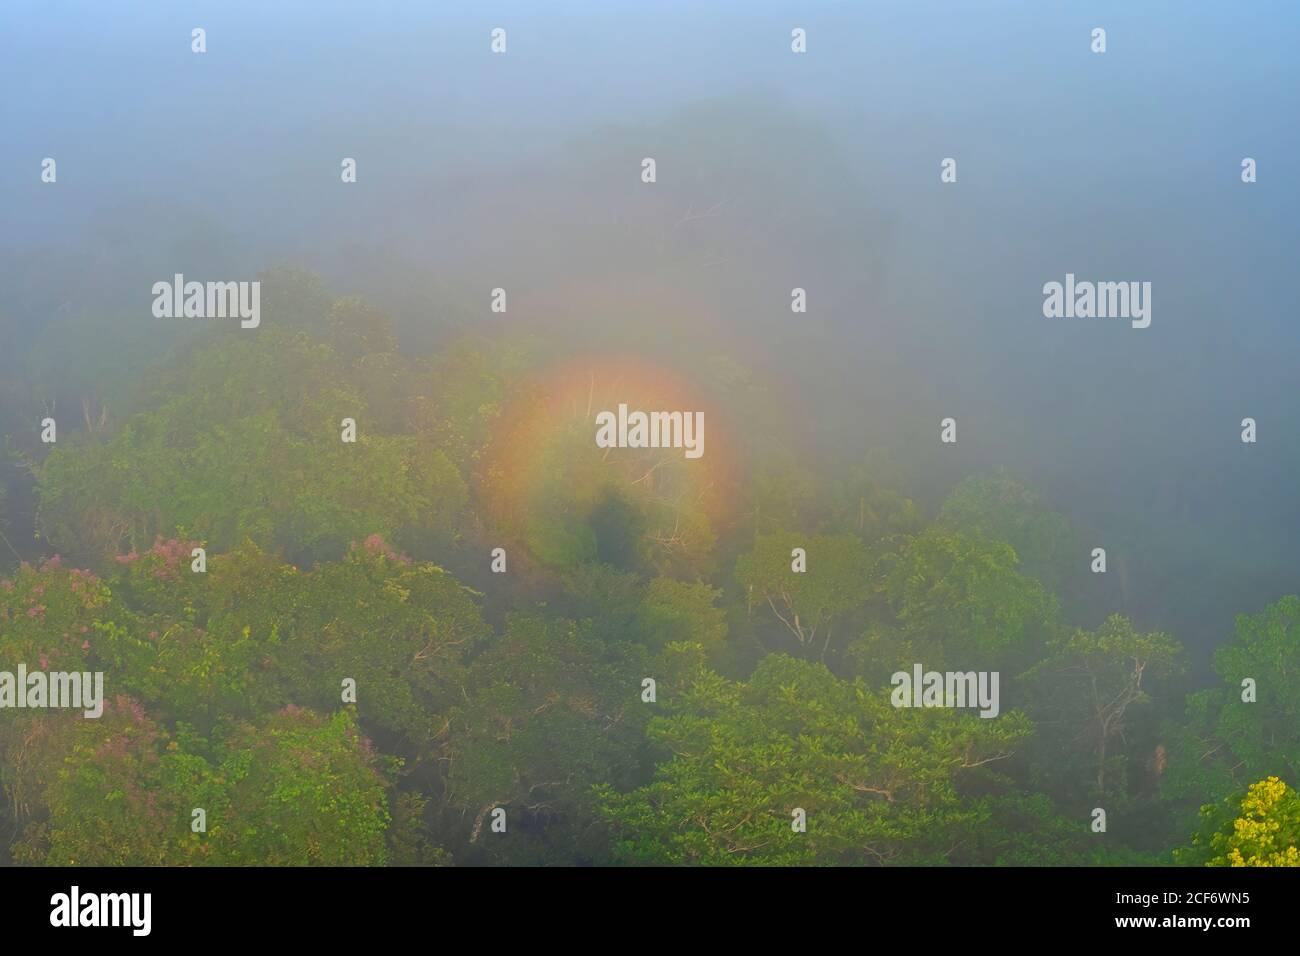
(1267, 831)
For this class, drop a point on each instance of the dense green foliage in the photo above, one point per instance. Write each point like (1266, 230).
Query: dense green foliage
(652, 680)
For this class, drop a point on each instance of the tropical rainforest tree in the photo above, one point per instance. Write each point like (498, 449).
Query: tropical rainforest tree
(1088, 697)
(1262, 828)
(879, 785)
(807, 603)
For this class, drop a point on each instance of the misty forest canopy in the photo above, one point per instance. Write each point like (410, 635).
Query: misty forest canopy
(476, 635)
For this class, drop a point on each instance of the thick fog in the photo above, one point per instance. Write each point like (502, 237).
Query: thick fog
(774, 171)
